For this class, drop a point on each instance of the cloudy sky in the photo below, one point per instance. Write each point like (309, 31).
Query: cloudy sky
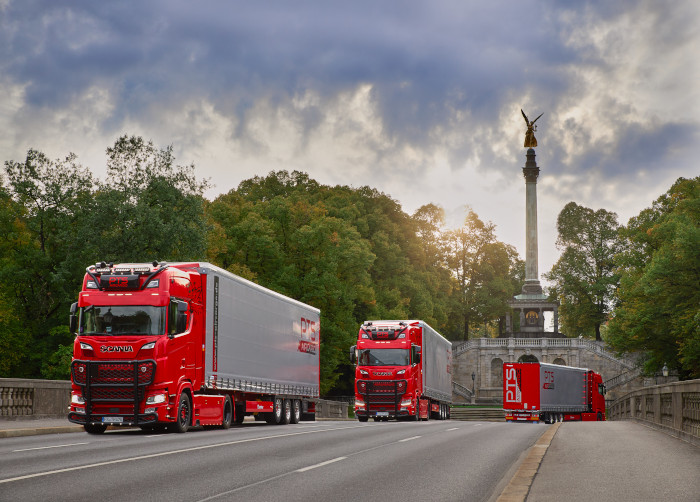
(420, 100)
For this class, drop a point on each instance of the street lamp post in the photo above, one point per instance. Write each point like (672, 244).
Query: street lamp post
(473, 378)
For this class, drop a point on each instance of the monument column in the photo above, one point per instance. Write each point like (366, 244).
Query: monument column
(531, 172)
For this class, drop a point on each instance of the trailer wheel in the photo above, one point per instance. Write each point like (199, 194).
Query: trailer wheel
(286, 412)
(296, 412)
(278, 411)
(228, 413)
(95, 428)
(184, 415)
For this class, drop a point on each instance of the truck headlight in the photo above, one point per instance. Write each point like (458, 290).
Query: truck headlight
(406, 402)
(85, 346)
(157, 399)
(77, 399)
(401, 372)
(359, 403)
(148, 346)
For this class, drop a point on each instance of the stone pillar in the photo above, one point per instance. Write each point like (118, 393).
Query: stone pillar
(556, 320)
(531, 172)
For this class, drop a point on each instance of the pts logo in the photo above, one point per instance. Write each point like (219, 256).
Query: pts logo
(116, 348)
(548, 380)
(512, 384)
(309, 329)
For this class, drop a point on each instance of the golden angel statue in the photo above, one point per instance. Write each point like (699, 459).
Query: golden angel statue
(530, 141)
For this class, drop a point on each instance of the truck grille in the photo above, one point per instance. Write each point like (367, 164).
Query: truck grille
(382, 395)
(113, 382)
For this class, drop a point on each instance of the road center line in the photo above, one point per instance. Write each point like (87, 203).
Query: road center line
(46, 447)
(452, 429)
(304, 469)
(162, 454)
(408, 439)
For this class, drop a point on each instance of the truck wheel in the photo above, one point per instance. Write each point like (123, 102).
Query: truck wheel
(95, 428)
(600, 417)
(184, 415)
(296, 412)
(228, 413)
(278, 411)
(362, 419)
(286, 412)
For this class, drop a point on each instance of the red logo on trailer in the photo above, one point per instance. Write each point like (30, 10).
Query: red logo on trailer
(513, 394)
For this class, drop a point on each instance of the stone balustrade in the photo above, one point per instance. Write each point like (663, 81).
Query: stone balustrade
(673, 408)
(20, 398)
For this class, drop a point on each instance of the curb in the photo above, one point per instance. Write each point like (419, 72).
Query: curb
(36, 431)
(519, 485)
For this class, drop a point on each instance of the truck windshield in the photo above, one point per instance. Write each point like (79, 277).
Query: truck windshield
(384, 357)
(122, 320)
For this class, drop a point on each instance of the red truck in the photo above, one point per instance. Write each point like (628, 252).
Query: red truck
(189, 344)
(552, 393)
(404, 370)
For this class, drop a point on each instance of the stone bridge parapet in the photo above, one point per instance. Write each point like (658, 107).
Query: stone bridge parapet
(673, 408)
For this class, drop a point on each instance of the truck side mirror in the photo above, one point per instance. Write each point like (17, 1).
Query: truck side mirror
(415, 349)
(181, 317)
(73, 320)
(353, 354)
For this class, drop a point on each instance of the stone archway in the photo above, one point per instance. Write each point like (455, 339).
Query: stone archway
(528, 358)
(496, 372)
(559, 361)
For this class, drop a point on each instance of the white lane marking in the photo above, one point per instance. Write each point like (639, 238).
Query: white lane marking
(304, 469)
(452, 429)
(46, 447)
(408, 439)
(285, 474)
(155, 455)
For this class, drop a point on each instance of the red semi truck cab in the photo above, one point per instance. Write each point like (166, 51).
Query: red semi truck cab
(188, 344)
(534, 392)
(403, 371)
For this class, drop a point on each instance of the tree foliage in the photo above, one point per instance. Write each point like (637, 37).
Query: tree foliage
(584, 278)
(659, 295)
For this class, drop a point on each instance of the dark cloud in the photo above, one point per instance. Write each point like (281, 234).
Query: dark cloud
(433, 66)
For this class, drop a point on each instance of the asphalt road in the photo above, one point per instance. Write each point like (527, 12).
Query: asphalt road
(348, 461)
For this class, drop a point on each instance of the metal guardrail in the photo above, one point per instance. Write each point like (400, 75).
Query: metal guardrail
(672, 408)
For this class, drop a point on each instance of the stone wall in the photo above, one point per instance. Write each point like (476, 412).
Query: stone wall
(20, 398)
(672, 408)
(485, 357)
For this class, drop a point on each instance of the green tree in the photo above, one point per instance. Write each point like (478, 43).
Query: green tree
(584, 278)
(148, 208)
(486, 272)
(47, 202)
(658, 299)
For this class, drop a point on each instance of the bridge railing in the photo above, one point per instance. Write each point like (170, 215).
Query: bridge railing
(21, 398)
(673, 408)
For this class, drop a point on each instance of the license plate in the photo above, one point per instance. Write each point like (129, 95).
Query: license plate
(382, 413)
(112, 420)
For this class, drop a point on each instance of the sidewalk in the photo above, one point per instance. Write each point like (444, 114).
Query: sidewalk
(33, 427)
(622, 461)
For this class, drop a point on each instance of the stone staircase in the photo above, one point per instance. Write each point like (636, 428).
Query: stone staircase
(477, 414)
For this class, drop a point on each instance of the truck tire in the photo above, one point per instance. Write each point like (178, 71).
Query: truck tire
(296, 412)
(95, 428)
(277, 411)
(362, 419)
(184, 415)
(228, 413)
(286, 412)
(599, 417)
